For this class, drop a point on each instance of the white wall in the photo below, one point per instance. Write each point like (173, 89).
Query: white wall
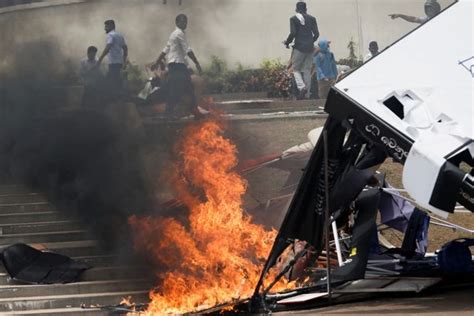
(244, 31)
(254, 29)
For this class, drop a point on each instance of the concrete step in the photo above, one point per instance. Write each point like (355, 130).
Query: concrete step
(238, 96)
(100, 260)
(265, 104)
(22, 198)
(14, 189)
(40, 227)
(70, 248)
(13, 291)
(28, 218)
(27, 238)
(69, 311)
(117, 272)
(63, 301)
(95, 274)
(274, 110)
(13, 208)
(40, 216)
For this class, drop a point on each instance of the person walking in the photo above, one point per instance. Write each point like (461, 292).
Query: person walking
(117, 51)
(326, 68)
(304, 32)
(179, 86)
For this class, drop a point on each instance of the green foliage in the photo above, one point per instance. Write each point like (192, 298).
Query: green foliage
(269, 64)
(271, 77)
(135, 77)
(215, 74)
(276, 78)
(217, 67)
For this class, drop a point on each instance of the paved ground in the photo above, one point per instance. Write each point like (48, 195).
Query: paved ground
(459, 302)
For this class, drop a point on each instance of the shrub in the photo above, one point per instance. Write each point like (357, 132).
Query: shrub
(276, 78)
(271, 77)
(214, 74)
(134, 77)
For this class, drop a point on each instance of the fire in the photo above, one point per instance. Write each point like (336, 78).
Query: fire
(215, 255)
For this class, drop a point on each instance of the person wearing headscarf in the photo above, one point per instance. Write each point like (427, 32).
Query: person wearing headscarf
(303, 32)
(326, 68)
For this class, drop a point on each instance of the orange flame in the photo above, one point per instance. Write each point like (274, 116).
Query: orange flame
(216, 256)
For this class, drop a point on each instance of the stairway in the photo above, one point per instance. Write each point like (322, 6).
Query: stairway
(29, 218)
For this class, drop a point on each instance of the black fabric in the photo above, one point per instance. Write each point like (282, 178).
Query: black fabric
(179, 88)
(362, 234)
(354, 178)
(304, 219)
(368, 126)
(446, 191)
(27, 264)
(415, 225)
(305, 216)
(455, 257)
(304, 35)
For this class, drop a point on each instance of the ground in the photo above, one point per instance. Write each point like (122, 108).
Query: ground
(456, 302)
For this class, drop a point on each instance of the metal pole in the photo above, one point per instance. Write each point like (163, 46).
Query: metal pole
(336, 242)
(327, 218)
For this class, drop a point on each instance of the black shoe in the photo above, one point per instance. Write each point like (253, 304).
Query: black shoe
(303, 93)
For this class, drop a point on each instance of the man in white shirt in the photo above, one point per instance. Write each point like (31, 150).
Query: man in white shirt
(89, 72)
(373, 50)
(179, 85)
(117, 51)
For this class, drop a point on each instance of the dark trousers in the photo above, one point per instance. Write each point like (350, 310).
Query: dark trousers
(114, 79)
(314, 87)
(180, 89)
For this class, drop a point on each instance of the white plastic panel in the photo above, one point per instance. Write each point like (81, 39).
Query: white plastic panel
(427, 63)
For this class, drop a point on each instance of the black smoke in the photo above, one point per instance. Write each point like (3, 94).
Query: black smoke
(92, 163)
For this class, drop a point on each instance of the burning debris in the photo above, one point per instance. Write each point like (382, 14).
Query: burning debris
(215, 255)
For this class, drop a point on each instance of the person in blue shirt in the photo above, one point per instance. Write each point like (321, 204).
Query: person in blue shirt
(326, 69)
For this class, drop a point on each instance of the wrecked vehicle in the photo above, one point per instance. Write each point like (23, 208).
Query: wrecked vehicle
(420, 120)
